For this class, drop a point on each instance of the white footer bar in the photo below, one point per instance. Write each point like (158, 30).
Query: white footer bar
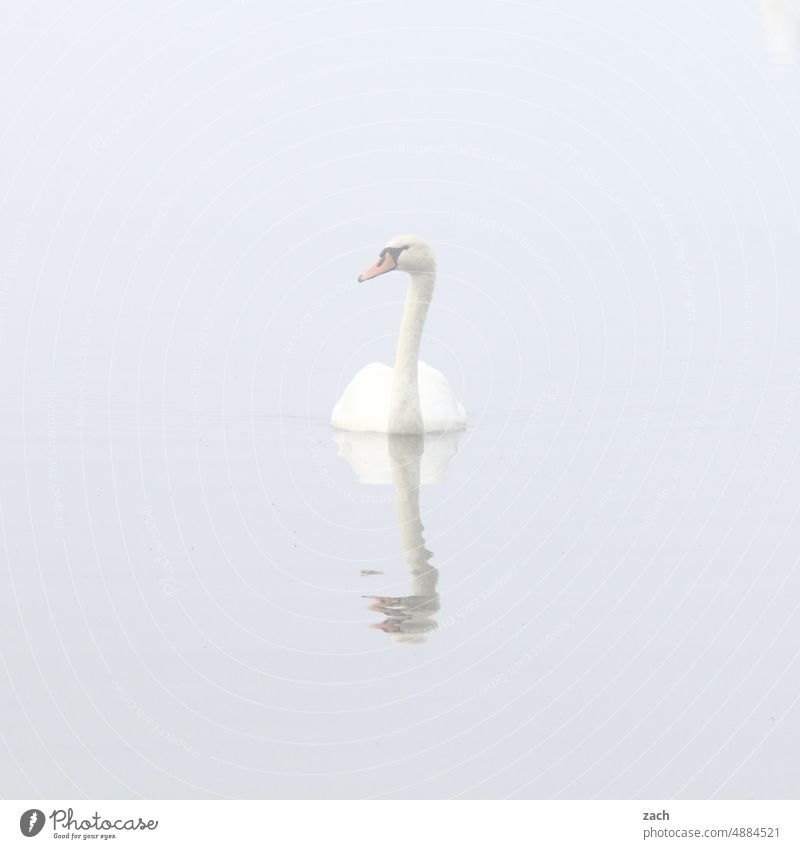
(403, 824)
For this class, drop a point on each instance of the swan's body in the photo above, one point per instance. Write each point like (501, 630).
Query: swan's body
(364, 405)
(412, 397)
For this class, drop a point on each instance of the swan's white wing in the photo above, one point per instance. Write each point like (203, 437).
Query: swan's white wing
(364, 405)
(441, 410)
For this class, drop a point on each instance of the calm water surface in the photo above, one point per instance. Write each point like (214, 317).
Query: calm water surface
(590, 592)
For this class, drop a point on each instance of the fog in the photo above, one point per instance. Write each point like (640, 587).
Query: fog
(590, 592)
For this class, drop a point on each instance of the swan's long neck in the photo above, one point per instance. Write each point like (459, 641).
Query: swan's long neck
(405, 414)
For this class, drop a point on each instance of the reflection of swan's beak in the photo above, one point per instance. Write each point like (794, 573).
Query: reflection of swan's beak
(389, 626)
(385, 263)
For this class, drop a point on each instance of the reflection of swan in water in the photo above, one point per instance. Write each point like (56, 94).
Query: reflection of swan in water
(370, 455)
(781, 26)
(406, 461)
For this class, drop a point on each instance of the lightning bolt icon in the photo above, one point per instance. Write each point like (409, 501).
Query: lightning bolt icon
(32, 823)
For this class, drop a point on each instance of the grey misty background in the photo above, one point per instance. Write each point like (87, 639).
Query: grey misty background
(189, 192)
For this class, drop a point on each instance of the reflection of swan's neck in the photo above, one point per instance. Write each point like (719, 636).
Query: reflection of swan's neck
(406, 453)
(412, 616)
(405, 415)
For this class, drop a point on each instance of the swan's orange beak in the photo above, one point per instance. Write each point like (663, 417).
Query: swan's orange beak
(385, 263)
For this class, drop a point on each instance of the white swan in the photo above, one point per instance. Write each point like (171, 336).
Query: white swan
(412, 397)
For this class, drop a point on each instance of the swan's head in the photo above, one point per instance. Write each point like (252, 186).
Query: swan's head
(411, 254)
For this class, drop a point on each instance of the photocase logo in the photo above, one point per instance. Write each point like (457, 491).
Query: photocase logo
(31, 822)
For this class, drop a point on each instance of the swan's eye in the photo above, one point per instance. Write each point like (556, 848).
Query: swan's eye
(393, 252)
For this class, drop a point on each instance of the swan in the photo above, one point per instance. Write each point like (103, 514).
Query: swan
(412, 397)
